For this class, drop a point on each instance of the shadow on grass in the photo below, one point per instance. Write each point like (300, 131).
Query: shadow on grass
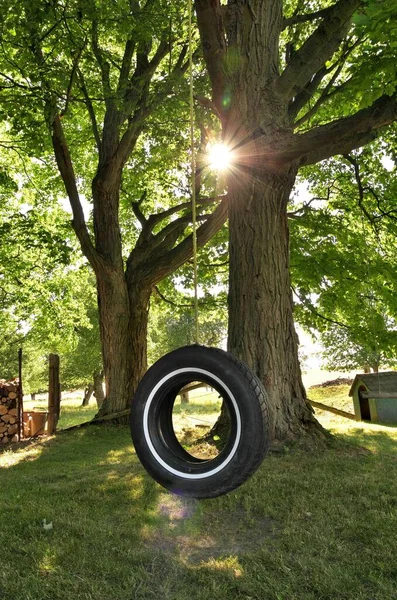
(307, 525)
(113, 528)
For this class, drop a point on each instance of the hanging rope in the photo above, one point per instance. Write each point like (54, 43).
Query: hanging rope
(193, 175)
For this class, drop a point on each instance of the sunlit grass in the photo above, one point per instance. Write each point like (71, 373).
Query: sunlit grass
(336, 396)
(307, 526)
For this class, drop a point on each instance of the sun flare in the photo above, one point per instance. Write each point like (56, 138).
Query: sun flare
(219, 157)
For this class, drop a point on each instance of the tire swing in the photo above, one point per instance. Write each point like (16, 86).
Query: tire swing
(153, 433)
(244, 401)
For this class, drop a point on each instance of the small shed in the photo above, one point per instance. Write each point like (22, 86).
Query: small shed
(375, 397)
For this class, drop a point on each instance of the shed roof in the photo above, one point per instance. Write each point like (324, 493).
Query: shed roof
(376, 382)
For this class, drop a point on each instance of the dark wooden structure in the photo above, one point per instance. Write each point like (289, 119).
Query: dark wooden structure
(54, 394)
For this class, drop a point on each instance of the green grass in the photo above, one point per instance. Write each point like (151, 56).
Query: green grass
(307, 526)
(335, 395)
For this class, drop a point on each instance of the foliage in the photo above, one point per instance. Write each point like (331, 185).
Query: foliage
(172, 319)
(343, 259)
(82, 358)
(108, 85)
(108, 82)
(172, 326)
(46, 291)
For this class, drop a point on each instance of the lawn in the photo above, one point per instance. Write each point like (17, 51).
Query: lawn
(307, 526)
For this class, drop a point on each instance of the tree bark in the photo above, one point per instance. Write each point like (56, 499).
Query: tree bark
(261, 325)
(184, 397)
(123, 327)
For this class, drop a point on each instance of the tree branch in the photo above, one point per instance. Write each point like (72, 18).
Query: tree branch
(112, 119)
(143, 74)
(207, 103)
(360, 187)
(324, 96)
(136, 207)
(297, 214)
(304, 96)
(103, 65)
(343, 135)
(171, 302)
(165, 235)
(65, 166)
(75, 65)
(145, 107)
(213, 41)
(315, 312)
(153, 220)
(147, 239)
(319, 47)
(305, 18)
(126, 66)
(176, 257)
(91, 112)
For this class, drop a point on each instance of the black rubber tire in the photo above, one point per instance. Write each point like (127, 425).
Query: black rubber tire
(154, 438)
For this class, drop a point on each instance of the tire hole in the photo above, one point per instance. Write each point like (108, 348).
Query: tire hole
(201, 420)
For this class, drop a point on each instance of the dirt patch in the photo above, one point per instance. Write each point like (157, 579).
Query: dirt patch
(200, 538)
(21, 445)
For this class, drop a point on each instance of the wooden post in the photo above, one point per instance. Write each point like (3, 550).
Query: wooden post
(54, 394)
(20, 396)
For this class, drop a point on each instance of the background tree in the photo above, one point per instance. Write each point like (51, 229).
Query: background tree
(291, 89)
(107, 75)
(172, 326)
(171, 317)
(48, 295)
(343, 259)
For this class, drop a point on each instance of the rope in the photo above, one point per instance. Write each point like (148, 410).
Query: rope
(193, 176)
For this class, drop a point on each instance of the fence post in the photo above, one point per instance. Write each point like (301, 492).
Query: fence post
(20, 397)
(54, 394)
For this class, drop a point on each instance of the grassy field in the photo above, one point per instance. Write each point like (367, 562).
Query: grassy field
(72, 413)
(307, 526)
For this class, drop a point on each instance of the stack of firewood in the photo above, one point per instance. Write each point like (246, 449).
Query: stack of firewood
(9, 425)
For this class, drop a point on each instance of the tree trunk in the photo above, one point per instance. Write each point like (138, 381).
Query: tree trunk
(261, 326)
(184, 397)
(87, 394)
(123, 326)
(98, 387)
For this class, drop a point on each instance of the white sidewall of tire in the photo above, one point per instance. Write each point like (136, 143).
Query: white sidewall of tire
(148, 440)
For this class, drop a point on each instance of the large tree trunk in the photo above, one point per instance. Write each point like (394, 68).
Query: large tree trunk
(123, 325)
(122, 302)
(261, 326)
(255, 110)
